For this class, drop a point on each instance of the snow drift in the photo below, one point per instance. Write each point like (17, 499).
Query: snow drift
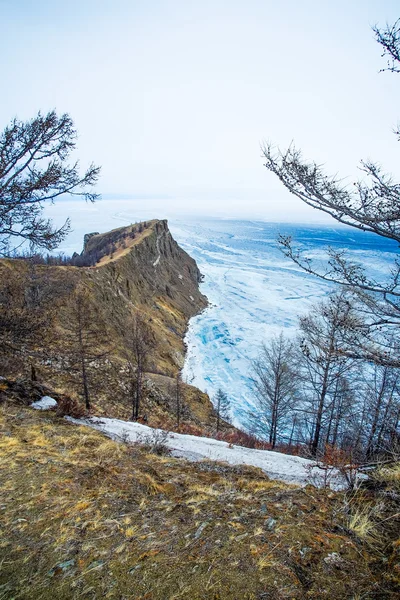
(291, 469)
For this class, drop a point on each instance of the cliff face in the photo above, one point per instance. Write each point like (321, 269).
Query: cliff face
(139, 269)
(152, 272)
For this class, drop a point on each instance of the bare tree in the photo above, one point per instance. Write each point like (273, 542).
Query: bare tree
(382, 389)
(138, 343)
(28, 304)
(274, 380)
(222, 407)
(325, 364)
(86, 341)
(341, 411)
(372, 209)
(389, 39)
(372, 205)
(178, 398)
(34, 170)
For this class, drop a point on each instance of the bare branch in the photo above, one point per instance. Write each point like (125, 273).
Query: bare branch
(34, 170)
(389, 39)
(374, 208)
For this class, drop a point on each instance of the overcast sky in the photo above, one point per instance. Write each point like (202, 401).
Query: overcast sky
(174, 97)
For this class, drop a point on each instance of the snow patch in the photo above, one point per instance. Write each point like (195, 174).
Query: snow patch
(45, 403)
(155, 263)
(292, 469)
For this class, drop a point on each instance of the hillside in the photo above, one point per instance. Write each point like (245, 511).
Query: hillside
(85, 517)
(140, 269)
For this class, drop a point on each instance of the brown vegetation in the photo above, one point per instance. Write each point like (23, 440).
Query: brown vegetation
(82, 516)
(84, 353)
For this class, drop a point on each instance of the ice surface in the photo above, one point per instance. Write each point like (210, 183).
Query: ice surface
(255, 292)
(292, 469)
(45, 403)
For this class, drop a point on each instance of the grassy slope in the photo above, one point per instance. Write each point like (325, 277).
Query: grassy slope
(84, 517)
(116, 287)
(120, 250)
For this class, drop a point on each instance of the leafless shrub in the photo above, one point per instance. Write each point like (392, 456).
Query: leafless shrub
(321, 475)
(335, 468)
(70, 407)
(155, 442)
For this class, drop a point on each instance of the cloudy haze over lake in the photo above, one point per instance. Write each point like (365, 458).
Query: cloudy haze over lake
(174, 97)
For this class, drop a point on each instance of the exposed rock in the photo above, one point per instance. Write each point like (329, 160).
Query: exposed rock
(334, 560)
(200, 530)
(145, 271)
(25, 391)
(86, 239)
(270, 524)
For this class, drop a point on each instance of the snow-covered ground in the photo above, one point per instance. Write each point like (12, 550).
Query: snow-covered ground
(45, 403)
(292, 469)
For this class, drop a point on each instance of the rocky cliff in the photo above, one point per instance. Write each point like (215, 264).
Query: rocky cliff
(139, 269)
(153, 274)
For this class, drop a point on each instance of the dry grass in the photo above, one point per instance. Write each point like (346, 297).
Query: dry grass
(84, 517)
(390, 474)
(123, 250)
(361, 522)
(130, 283)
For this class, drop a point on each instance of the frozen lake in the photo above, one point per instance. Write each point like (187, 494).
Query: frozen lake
(253, 290)
(256, 292)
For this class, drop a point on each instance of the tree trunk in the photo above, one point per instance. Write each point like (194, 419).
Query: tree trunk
(292, 431)
(375, 420)
(138, 394)
(320, 411)
(274, 412)
(178, 402)
(328, 433)
(83, 366)
(33, 373)
(85, 384)
(133, 394)
(385, 423)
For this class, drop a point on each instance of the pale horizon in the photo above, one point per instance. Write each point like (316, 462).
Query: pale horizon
(174, 98)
